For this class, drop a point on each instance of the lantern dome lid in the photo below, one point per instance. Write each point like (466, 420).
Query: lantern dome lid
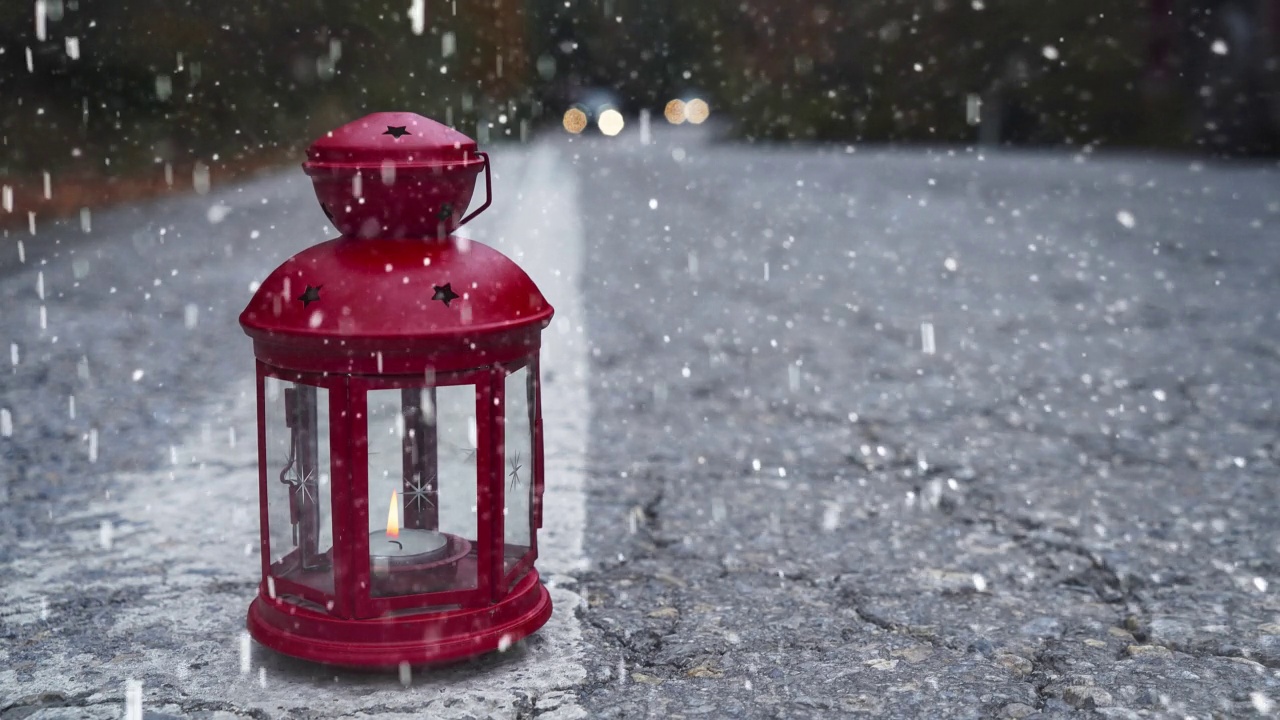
(396, 175)
(339, 305)
(403, 139)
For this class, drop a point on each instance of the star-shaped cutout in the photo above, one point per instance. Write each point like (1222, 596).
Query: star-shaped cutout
(396, 131)
(310, 295)
(445, 293)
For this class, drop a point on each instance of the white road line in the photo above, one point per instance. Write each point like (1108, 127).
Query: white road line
(181, 552)
(545, 238)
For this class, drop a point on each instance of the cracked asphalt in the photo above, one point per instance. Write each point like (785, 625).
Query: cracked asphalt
(879, 433)
(931, 433)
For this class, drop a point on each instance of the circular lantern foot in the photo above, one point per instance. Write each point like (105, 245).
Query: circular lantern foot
(427, 638)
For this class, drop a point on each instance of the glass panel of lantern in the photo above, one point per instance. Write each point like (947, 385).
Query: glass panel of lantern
(423, 526)
(518, 423)
(300, 539)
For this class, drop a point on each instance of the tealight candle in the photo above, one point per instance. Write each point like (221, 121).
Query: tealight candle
(409, 547)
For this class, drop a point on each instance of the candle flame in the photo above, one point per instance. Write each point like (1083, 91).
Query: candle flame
(393, 519)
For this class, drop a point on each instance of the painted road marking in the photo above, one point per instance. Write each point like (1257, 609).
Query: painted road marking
(545, 238)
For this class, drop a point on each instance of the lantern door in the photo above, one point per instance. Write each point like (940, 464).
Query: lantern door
(521, 475)
(423, 524)
(296, 467)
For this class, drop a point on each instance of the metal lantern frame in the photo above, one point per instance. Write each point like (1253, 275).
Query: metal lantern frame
(398, 303)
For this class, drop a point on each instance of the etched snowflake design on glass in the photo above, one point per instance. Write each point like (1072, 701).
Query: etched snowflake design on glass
(514, 474)
(418, 492)
(305, 486)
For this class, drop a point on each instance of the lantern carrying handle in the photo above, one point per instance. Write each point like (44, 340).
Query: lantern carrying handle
(488, 191)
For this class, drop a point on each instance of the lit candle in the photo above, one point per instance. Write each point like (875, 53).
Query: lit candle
(398, 548)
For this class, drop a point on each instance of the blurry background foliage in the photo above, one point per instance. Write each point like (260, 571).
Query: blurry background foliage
(113, 86)
(139, 81)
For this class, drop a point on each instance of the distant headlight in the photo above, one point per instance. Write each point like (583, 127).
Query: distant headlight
(575, 121)
(674, 112)
(696, 111)
(611, 122)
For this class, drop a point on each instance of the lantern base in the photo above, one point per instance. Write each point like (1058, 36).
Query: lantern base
(422, 639)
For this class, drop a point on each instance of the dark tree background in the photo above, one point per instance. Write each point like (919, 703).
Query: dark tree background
(127, 82)
(115, 85)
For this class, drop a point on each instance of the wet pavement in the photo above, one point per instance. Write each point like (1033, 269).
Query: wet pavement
(890, 433)
(931, 434)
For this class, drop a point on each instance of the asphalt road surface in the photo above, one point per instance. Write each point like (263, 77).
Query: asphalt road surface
(832, 432)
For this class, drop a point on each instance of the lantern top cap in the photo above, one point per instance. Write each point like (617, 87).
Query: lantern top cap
(403, 139)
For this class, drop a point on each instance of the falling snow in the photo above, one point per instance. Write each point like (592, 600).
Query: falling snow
(816, 423)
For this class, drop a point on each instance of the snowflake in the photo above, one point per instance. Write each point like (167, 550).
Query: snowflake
(468, 454)
(515, 471)
(305, 486)
(419, 491)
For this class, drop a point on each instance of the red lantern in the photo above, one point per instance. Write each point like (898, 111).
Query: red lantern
(399, 423)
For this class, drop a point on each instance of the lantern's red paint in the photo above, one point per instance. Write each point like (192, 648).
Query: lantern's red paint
(399, 308)
(375, 312)
(395, 175)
